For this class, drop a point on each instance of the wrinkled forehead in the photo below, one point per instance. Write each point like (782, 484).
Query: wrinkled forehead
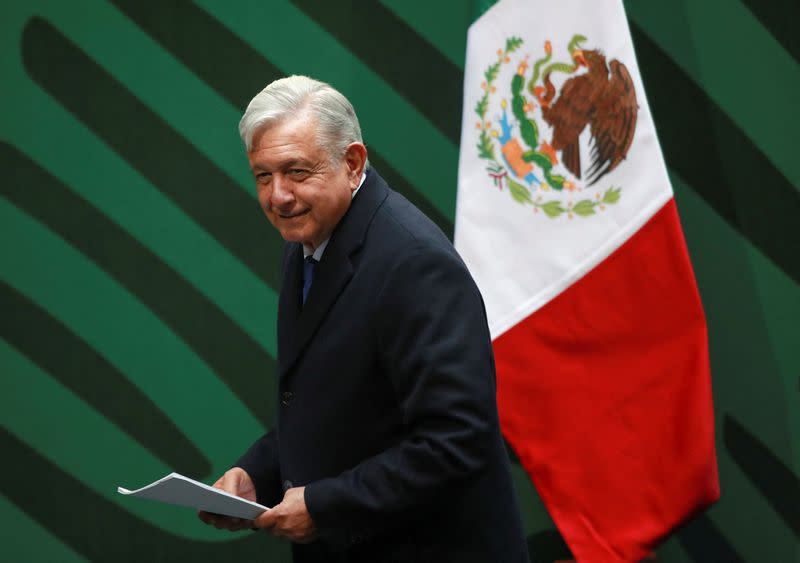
(300, 127)
(288, 143)
(301, 130)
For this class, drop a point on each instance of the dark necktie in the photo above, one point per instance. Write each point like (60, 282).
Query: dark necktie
(309, 265)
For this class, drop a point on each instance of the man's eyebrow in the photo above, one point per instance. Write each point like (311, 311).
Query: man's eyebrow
(297, 162)
(283, 165)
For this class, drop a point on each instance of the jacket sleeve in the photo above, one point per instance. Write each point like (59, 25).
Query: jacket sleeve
(262, 465)
(435, 347)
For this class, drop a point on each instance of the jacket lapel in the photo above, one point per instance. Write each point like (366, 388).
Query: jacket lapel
(289, 303)
(331, 276)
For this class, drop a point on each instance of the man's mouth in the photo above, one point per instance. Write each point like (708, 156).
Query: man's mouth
(292, 215)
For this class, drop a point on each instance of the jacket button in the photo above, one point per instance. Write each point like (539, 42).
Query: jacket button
(286, 398)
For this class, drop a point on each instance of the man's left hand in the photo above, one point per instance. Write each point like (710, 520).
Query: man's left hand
(289, 519)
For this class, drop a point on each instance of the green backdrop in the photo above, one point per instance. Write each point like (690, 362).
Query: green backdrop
(138, 277)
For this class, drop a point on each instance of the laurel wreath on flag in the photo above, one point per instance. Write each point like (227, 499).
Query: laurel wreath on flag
(486, 151)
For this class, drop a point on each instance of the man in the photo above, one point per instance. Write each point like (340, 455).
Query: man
(387, 445)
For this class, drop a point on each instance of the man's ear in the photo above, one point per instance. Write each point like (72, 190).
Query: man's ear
(355, 156)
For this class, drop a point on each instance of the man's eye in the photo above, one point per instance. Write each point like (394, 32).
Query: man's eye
(298, 172)
(263, 176)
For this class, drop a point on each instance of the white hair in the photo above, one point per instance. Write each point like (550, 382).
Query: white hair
(337, 124)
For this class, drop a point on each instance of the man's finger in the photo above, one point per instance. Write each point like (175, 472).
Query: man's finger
(266, 519)
(224, 522)
(229, 483)
(206, 517)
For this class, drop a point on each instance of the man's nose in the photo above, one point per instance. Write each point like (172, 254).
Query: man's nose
(282, 194)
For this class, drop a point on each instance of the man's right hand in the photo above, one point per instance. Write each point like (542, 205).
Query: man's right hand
(237, 482)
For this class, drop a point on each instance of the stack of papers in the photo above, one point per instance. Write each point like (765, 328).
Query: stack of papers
(182, 491)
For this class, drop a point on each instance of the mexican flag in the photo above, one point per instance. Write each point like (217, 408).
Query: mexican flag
(566, 219)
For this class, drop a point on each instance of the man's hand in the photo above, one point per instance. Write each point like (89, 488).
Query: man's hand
(237, 482)
(289, 519)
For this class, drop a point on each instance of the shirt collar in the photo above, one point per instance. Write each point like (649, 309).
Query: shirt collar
(317, 254)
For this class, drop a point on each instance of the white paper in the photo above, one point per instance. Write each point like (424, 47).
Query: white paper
(182, 491)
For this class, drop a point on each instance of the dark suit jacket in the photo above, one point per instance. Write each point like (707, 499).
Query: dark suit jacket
(387, 409)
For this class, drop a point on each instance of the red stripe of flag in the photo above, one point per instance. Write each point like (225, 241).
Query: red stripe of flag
(605, 395)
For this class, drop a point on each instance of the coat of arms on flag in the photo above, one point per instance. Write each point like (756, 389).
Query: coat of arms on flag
(547, 110)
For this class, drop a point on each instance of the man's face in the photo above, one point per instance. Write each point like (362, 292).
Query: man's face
(303, 192)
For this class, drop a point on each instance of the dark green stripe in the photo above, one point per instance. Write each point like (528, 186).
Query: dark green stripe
(511, 453)
(403, 59)
(718, 160)
(781, 18)
(100, 530)
(703, 541)
(72, 361)
(210, 59)
(773, 478)
(217, 56)
(213, 336)
(548, 546)
(398, 183)
(151, 146)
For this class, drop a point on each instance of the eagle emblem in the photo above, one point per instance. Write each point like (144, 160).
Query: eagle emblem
(563, 127)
